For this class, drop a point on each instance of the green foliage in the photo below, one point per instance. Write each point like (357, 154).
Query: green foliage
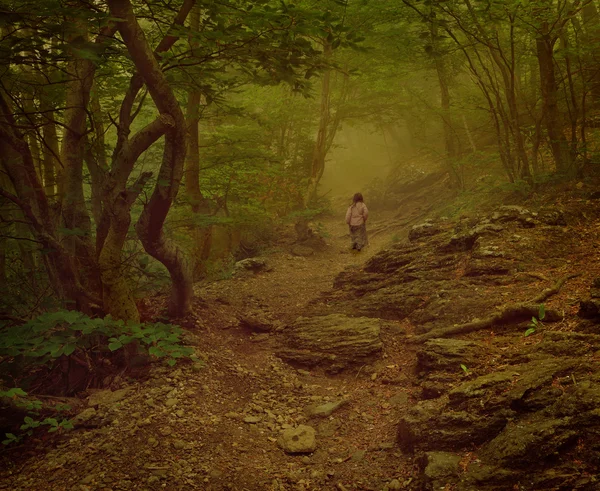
(53, 335)
(30, 423)
(464, 369)
(536, 323)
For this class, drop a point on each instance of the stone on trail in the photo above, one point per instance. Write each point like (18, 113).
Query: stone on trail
(440, 467)
(257, 322)
(252, 264)
(426, 229)
(107, 397)
(324, 410)
(302, 250)
(335, 340)
(298, 440)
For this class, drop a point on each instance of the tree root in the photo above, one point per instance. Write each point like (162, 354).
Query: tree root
(509, 314)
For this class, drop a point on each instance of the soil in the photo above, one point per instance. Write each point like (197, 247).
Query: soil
(216, 424)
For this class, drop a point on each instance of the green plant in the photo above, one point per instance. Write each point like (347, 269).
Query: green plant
(17, 394)
(536, 322)
(464, 368)
(53, 335)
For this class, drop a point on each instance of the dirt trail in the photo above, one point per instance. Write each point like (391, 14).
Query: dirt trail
(214, 425)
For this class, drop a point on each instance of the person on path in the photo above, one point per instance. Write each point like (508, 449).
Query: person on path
(356, 218)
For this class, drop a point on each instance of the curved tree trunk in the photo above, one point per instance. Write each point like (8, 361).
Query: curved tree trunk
(151, 222)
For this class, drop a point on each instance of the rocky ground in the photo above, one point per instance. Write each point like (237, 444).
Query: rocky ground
(403, 367)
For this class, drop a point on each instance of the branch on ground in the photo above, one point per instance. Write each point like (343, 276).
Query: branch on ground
(509, 314)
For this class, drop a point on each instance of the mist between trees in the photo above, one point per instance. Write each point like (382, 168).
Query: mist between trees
(148, 144)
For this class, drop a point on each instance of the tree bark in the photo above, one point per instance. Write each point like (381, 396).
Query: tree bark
(319, 151)
(201, 235)
(151, 222)
(549, 90)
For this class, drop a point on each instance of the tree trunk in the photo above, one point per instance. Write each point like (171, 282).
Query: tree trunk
(50, 153)
(549, 91)
(74, 212)
(319, 151)
(201, 235)
(151, 222)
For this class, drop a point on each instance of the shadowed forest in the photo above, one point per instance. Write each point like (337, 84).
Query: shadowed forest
(181, 307)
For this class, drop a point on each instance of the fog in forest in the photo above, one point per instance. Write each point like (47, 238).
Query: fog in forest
(230, 226)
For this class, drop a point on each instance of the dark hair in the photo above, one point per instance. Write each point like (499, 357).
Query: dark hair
(357, 197)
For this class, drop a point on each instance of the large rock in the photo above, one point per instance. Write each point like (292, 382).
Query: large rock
(335, 340)
(449, 354)
(440, 468)
(427, 426)
(512, 213)
(298, 440)
(423, 230)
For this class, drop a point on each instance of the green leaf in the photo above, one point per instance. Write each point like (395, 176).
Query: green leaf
(115, 345)
(69, 349)
(57, 353)
(66, 424)
(529, 331)
(71, 316)
(156, 351)
(171, 362)
(542, 311)
(16, 391)
(464, 368)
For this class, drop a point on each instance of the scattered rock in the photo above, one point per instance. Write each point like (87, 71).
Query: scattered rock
(84, 416)
(324, 410)
(107, 397)
(252, 264)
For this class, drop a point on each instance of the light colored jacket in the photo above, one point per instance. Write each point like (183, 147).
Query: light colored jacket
(357, 214)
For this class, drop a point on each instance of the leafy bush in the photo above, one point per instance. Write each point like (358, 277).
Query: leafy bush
(55, 334)
(49, 340)
(17, 396)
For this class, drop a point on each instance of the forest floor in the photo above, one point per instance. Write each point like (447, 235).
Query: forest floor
(215, 424)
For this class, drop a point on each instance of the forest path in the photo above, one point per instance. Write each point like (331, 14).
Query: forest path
(214, 425)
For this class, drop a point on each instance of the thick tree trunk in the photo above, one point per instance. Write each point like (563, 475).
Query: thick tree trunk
(319, 151)
(201, 235)
(74, 212)
(549, 91)
(449, 142)
(151, 222)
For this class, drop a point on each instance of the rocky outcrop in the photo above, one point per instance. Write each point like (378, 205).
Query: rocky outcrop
(523, 417)
(333, 340)
(501, 408)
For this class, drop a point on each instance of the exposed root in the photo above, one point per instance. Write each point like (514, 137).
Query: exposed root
(509, 314)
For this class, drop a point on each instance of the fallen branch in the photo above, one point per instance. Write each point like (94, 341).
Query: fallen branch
(553, 290)
(509, 314)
